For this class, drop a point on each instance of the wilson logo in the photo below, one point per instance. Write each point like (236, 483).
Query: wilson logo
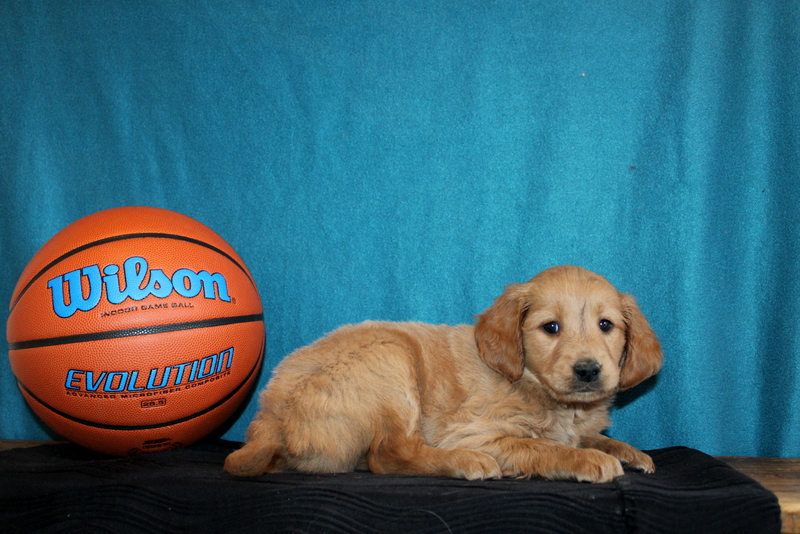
(135, 282)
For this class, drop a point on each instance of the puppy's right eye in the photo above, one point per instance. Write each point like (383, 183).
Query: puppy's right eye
(551, 327)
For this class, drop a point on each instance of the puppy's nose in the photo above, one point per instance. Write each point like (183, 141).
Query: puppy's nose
(587, 371)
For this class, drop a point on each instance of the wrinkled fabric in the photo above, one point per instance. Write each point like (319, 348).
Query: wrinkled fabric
(62, 488)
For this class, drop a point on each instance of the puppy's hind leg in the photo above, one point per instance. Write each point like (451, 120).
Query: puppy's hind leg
(396, 450)
(262, 451)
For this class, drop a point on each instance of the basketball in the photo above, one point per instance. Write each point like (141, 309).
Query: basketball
(135, 329)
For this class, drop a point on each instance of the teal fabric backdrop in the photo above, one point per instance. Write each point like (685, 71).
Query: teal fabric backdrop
(407, 160)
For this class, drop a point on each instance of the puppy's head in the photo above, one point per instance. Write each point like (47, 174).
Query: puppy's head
(581, 339)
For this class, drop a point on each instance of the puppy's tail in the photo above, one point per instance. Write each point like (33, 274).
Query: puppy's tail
(262, 451)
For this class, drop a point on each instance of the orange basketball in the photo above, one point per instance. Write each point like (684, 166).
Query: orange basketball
(135, 329)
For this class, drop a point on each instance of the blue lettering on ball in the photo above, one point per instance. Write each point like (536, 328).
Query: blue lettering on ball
(129, 382)
(136, 282)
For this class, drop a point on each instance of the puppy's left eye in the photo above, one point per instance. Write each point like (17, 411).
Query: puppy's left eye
(606, 325)
(551, 328)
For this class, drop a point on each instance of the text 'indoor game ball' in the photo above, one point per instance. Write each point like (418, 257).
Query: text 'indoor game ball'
(135, 329)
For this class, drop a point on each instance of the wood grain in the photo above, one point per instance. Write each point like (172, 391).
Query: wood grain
(779, 475)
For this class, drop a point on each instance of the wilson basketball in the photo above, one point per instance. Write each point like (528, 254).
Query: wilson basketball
(135, 329)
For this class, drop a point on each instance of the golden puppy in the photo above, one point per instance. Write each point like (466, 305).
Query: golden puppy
(525, 392)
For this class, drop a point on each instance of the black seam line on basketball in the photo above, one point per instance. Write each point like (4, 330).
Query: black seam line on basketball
(124, 237)
(132, 332)
(154, 426)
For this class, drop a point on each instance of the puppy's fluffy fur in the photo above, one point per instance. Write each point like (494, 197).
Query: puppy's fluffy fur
(525, 392)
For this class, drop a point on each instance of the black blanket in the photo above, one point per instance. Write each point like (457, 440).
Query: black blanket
(63, 488)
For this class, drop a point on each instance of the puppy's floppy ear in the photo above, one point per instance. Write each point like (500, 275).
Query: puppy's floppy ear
(642, 358)
(498, 333)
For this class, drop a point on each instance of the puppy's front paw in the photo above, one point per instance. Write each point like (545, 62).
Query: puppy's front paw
(475, 465)
(632, 458)
(638, 461)
(591, 465)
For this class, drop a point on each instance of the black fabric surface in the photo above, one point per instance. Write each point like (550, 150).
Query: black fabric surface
(63, 488)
